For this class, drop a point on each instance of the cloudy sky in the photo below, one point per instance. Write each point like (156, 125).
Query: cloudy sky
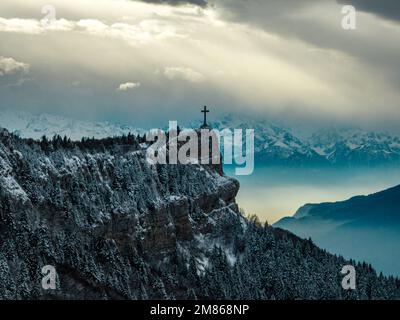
(146, 62)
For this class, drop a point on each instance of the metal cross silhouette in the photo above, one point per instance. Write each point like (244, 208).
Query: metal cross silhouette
(205, 111)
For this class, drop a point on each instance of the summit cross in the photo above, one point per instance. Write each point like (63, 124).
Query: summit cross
(205, 111)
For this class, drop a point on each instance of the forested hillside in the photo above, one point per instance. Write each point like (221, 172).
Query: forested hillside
(115, 227)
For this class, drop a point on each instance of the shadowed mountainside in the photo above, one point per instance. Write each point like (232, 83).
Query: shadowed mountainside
(363, 227)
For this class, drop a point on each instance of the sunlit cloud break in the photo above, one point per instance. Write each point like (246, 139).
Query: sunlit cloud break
(187, 74)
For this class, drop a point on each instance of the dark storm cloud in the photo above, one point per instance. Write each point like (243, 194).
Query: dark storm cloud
(178, 2)
(373, 44)
(389, 9)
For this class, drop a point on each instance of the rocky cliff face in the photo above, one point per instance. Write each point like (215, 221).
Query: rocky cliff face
(115, 227)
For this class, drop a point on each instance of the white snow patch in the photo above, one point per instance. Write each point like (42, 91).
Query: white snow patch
(13, 188)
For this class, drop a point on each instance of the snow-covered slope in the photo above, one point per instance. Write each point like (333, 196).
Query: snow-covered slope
(27, 125)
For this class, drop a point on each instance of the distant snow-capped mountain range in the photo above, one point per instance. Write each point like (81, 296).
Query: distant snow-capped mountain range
(27, 125)
(274, 145)
(354, 146)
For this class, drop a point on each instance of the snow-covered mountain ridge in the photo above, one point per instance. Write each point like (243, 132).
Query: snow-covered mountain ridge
(27, 125)
(277, 145)
(274, 144)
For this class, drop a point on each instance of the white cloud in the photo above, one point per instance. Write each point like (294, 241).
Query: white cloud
(34, 26)
(128, 86)
(141, 32)
(17, 25)
(11, 66)
(183, 73)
